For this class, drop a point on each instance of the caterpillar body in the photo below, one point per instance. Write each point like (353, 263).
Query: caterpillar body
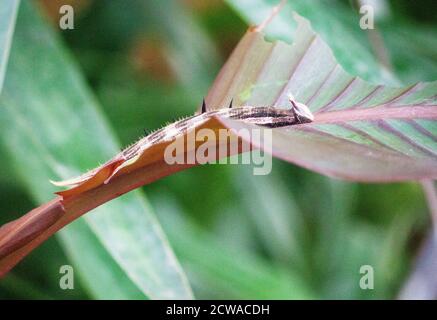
(269, 117)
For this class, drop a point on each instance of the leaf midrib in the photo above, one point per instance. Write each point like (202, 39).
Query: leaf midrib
(376, 113)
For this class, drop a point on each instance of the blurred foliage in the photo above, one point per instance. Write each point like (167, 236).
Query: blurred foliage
(35, 106)
(292, 234)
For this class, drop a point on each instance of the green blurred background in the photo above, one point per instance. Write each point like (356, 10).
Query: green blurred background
(291, 234)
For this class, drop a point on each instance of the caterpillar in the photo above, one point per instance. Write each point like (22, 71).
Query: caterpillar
(269, 117)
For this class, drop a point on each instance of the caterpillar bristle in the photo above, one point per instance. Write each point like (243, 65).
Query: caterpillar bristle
(203, 106)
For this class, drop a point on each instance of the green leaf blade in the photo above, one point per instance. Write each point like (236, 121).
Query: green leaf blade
(52, 128)
(8, 13)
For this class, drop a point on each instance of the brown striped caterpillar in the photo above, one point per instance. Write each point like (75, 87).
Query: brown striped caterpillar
(270, 117)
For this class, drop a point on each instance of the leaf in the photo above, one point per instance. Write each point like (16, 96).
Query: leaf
(8, 13)
(332, 20)
(411, 46)
(51, 127)
(361, 132)
(355, 135)
(238, 274)
(103, 276)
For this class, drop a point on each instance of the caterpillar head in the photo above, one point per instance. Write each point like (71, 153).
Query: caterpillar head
(301, 111)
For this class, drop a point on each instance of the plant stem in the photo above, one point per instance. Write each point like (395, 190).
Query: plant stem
(18, 238)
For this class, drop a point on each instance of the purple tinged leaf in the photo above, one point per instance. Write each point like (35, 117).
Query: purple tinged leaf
(361, 131)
